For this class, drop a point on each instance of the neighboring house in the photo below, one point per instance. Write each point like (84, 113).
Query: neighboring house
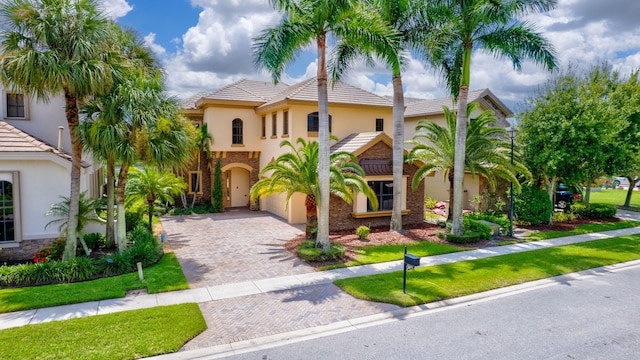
(248, 120)
(34, 172)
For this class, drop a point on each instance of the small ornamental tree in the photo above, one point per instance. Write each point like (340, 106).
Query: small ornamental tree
(216, 192)
(532, 206)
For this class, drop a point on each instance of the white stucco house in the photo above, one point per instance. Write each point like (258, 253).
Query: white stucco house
(35, 170)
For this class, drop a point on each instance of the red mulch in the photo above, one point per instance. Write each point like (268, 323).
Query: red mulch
(566, 226)
(379, 236)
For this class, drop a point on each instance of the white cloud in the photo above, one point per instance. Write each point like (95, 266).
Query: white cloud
(149, 41)
(116, 8)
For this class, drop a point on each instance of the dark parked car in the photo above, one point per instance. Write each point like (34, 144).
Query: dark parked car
(567, 194)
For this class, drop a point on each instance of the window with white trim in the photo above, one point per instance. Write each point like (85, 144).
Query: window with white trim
(384, 193)
(9, 207)
(15, 105)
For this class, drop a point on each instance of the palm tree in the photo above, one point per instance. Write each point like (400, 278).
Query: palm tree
(151, 185)
(411, 21)
(296, 171)
(202, 144)
(488, 155)
(51, 47)
(491, 25)
(302, 22)
(86, 214)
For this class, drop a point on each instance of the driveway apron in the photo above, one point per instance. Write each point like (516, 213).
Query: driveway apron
(235, 246)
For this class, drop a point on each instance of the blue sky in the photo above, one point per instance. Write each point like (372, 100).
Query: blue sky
(205, 44)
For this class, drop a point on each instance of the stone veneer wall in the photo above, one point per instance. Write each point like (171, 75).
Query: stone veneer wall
(340, 212)
(26, 250)
(244, 157)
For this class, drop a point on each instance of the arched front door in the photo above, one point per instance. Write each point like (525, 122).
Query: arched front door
(238, 184)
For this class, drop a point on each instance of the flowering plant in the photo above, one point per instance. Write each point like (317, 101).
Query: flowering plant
(51, 253)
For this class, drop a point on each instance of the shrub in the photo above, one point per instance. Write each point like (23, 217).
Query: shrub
(593, 211)
(474, 227)
(78, 269)
(501, 220)
(362, 232)
(145, 248)
(216, 191)
(532, 205)
(467, 238)
(561, 216)
(429, 203)
(118, 263)
(132, 219)
(310, 253)
(94, 240)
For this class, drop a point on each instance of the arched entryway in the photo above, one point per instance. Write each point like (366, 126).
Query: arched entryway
(237, 183)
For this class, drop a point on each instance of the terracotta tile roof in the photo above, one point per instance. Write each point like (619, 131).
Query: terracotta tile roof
(248, 90)
(375, 167)
(17, 141)
(434, 106)
(339, 93)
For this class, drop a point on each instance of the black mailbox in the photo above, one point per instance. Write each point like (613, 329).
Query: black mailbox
(412, 260)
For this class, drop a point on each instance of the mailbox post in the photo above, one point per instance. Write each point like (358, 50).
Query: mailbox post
(410, 261)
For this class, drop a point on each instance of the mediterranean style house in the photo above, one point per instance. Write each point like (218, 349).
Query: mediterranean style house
(35, 170)
(248, 120)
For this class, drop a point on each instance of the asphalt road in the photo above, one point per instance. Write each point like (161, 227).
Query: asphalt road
(596, 317)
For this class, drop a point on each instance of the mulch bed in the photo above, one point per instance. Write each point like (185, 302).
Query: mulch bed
(566, 226)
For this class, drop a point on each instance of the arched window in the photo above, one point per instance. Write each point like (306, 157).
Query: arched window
(7, 219)
(236, 132)
(313, 123)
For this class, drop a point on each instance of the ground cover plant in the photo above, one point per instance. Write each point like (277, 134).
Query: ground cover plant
(582, 229)
(433, 283)
(166, 275)
(123, 335)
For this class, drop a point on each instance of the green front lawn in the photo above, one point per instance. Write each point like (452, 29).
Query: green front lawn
(440, 282)
(614, 197)
(582, 229)
(164, 276)
(123, 335)
(384, 253)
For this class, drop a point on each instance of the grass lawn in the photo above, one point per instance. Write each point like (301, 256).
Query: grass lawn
(440, 282)
(582, 229)
(166, 275)
(614, 197)
(384, 253)
(123, 335)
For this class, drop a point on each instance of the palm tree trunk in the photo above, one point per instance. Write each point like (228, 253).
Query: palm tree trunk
(551, 190)
(122, 224)
(109, 233)
(449, 212)
(398, 152)
(312, 218)
(461, 142)
(195, 193)
(76, 163)
(323, 147)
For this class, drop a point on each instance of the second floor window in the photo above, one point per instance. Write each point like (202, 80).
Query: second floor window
(285, 123)
(379, 124)
(15, 105)
(236, 132)
(264, 126)
(313, 123)
(274, 125)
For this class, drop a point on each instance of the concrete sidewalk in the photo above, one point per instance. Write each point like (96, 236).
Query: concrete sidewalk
(280, 289)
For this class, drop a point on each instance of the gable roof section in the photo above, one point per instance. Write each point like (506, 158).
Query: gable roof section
(244, 91)
(434, 106)
(14, 140)
(339, 93)
(358, 143)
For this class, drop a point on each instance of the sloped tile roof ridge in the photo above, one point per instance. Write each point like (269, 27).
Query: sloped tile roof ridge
(434, 106)
(354, 141)
(190, 102)
(248, 90)
(295, 89)
(13, 139)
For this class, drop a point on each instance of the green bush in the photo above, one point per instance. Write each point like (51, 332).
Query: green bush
(593, 211)
(532, 206)
(467, 238)
(145, 248)
(132, 218)
(51, 272)
(310, 253)
(561, 216)
(502, 220)
(93, 240)
(116, 264)
(475, 227)
(429, 203)
(362, 232)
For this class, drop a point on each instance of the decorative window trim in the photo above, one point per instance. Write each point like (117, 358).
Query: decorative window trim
(237, 132)
(191, 173)
(14, 178)
(5, 105)
(360, 202)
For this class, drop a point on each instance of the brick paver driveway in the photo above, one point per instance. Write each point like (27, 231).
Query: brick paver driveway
(235, 246)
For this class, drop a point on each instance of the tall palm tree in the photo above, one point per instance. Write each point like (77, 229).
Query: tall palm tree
(87, 213)
(488, 155)
(296, 171)
(203, 145)
(151, 185)
(302, 22)
(57, 46)
(493, 26)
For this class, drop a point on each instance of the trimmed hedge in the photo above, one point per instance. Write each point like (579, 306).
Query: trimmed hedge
(532, 206)
(501, 220)
(145, 249)
(593, 211)
(467, 238)
(310, 253)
